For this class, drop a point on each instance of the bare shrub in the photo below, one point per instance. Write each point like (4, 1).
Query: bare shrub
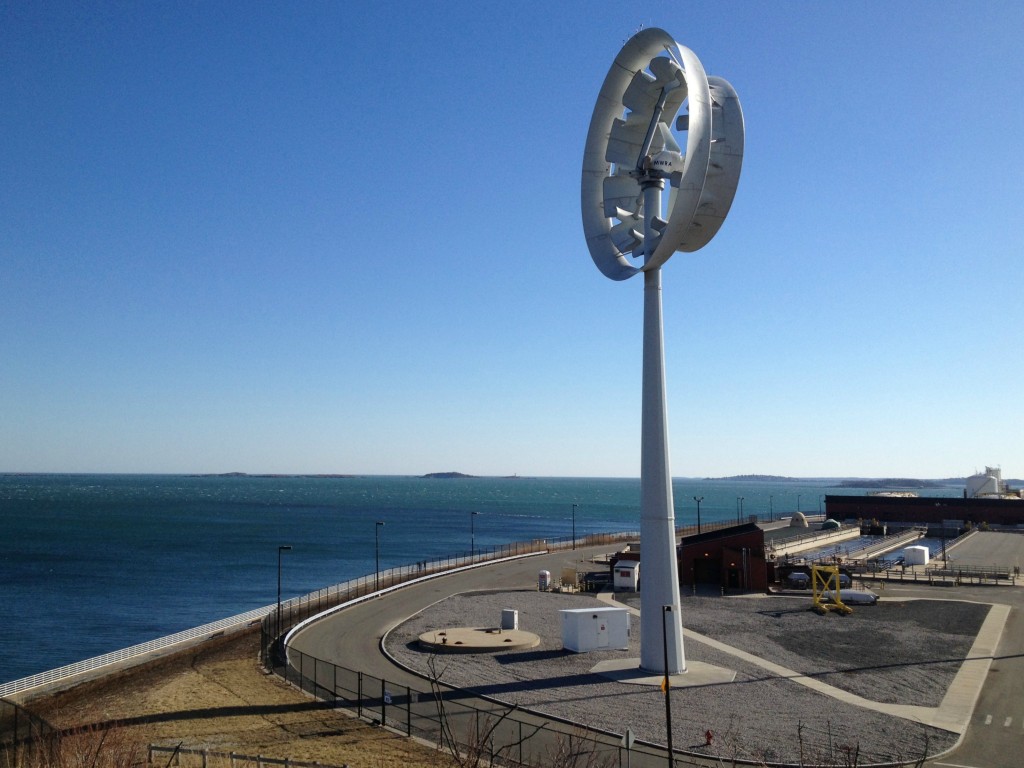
(90, 747)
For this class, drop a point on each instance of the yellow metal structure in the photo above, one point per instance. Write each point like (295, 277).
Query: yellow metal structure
(825, 578)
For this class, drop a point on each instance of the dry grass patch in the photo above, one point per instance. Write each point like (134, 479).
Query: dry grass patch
(218, 698)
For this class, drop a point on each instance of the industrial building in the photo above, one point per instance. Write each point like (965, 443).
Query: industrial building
(935, 510)
(732, 557)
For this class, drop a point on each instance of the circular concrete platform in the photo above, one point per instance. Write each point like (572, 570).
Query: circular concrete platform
(477, 640)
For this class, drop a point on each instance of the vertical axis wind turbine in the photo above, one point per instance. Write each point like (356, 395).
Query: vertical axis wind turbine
(631, 153)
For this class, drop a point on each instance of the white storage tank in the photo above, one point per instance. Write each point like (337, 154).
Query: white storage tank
(595, 629)
(988, 484)
(916, 555)
(627, 576)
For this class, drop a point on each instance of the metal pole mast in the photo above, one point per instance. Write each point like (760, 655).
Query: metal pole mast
(659, 568)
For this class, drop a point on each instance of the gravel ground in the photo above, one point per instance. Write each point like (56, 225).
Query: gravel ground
(898, 652)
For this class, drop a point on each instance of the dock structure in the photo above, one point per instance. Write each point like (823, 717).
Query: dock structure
(779, 548)
(888, 544)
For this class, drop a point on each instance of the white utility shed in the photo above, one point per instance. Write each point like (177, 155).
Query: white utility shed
(627, 576)
(916, 555)
(595, 629)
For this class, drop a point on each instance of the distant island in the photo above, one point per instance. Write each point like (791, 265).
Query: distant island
(891, 483)
(444, 476)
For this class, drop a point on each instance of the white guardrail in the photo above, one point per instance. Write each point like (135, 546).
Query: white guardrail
(70, 671)
(163, 645)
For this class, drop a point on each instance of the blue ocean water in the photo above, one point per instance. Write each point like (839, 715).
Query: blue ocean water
(94, 563)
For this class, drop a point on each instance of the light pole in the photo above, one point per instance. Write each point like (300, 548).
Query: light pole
(277, 623)
(739, 509)
(698, 499)
(472, 536)
(376, 548)
(798, 502)
(574, 526)
(771, 509)
(666, 611)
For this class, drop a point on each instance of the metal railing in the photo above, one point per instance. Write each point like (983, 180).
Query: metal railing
(974, 573)
(234, 759)
(322, 598)
(299, 609)
(455, 719)
(886, 544)
(793, 545)
(500, 734)
(70, 671)
(21, 734)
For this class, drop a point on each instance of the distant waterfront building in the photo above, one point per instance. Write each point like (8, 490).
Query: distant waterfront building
(990, 485)
(986, 498)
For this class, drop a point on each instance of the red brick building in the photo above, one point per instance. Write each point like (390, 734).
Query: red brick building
(730, 557)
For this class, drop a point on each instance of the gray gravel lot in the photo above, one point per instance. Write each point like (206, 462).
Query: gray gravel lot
(898, 652)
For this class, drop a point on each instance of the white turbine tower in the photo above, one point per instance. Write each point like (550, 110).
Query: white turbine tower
(631, 153)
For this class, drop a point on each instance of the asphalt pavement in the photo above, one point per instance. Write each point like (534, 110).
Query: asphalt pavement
(995, 728)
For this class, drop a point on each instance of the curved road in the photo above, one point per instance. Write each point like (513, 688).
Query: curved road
(351, 638)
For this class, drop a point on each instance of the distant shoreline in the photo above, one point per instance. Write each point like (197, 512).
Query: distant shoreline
(847, 481)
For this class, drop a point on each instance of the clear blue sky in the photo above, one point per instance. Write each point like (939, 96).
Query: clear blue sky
(346, 237)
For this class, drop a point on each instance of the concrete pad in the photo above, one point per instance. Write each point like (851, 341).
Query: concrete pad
(477, 640)
(697, 673)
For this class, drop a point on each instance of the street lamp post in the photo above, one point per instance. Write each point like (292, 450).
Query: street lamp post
(739, 509)
(277, 622)
(798, 502)
(771, 509)
(574, 526)
(666, 611)
(472, 536)
(376, 548)
(698, 499)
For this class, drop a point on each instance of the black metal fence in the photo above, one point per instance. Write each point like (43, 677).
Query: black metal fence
(22, 735)
(451, 718)
(459, 720)
(204, 758)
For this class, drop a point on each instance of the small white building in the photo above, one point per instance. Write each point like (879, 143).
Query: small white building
(916, 555)
(595, 629)
(627, 576)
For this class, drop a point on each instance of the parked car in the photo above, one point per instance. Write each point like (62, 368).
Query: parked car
(799, 580)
